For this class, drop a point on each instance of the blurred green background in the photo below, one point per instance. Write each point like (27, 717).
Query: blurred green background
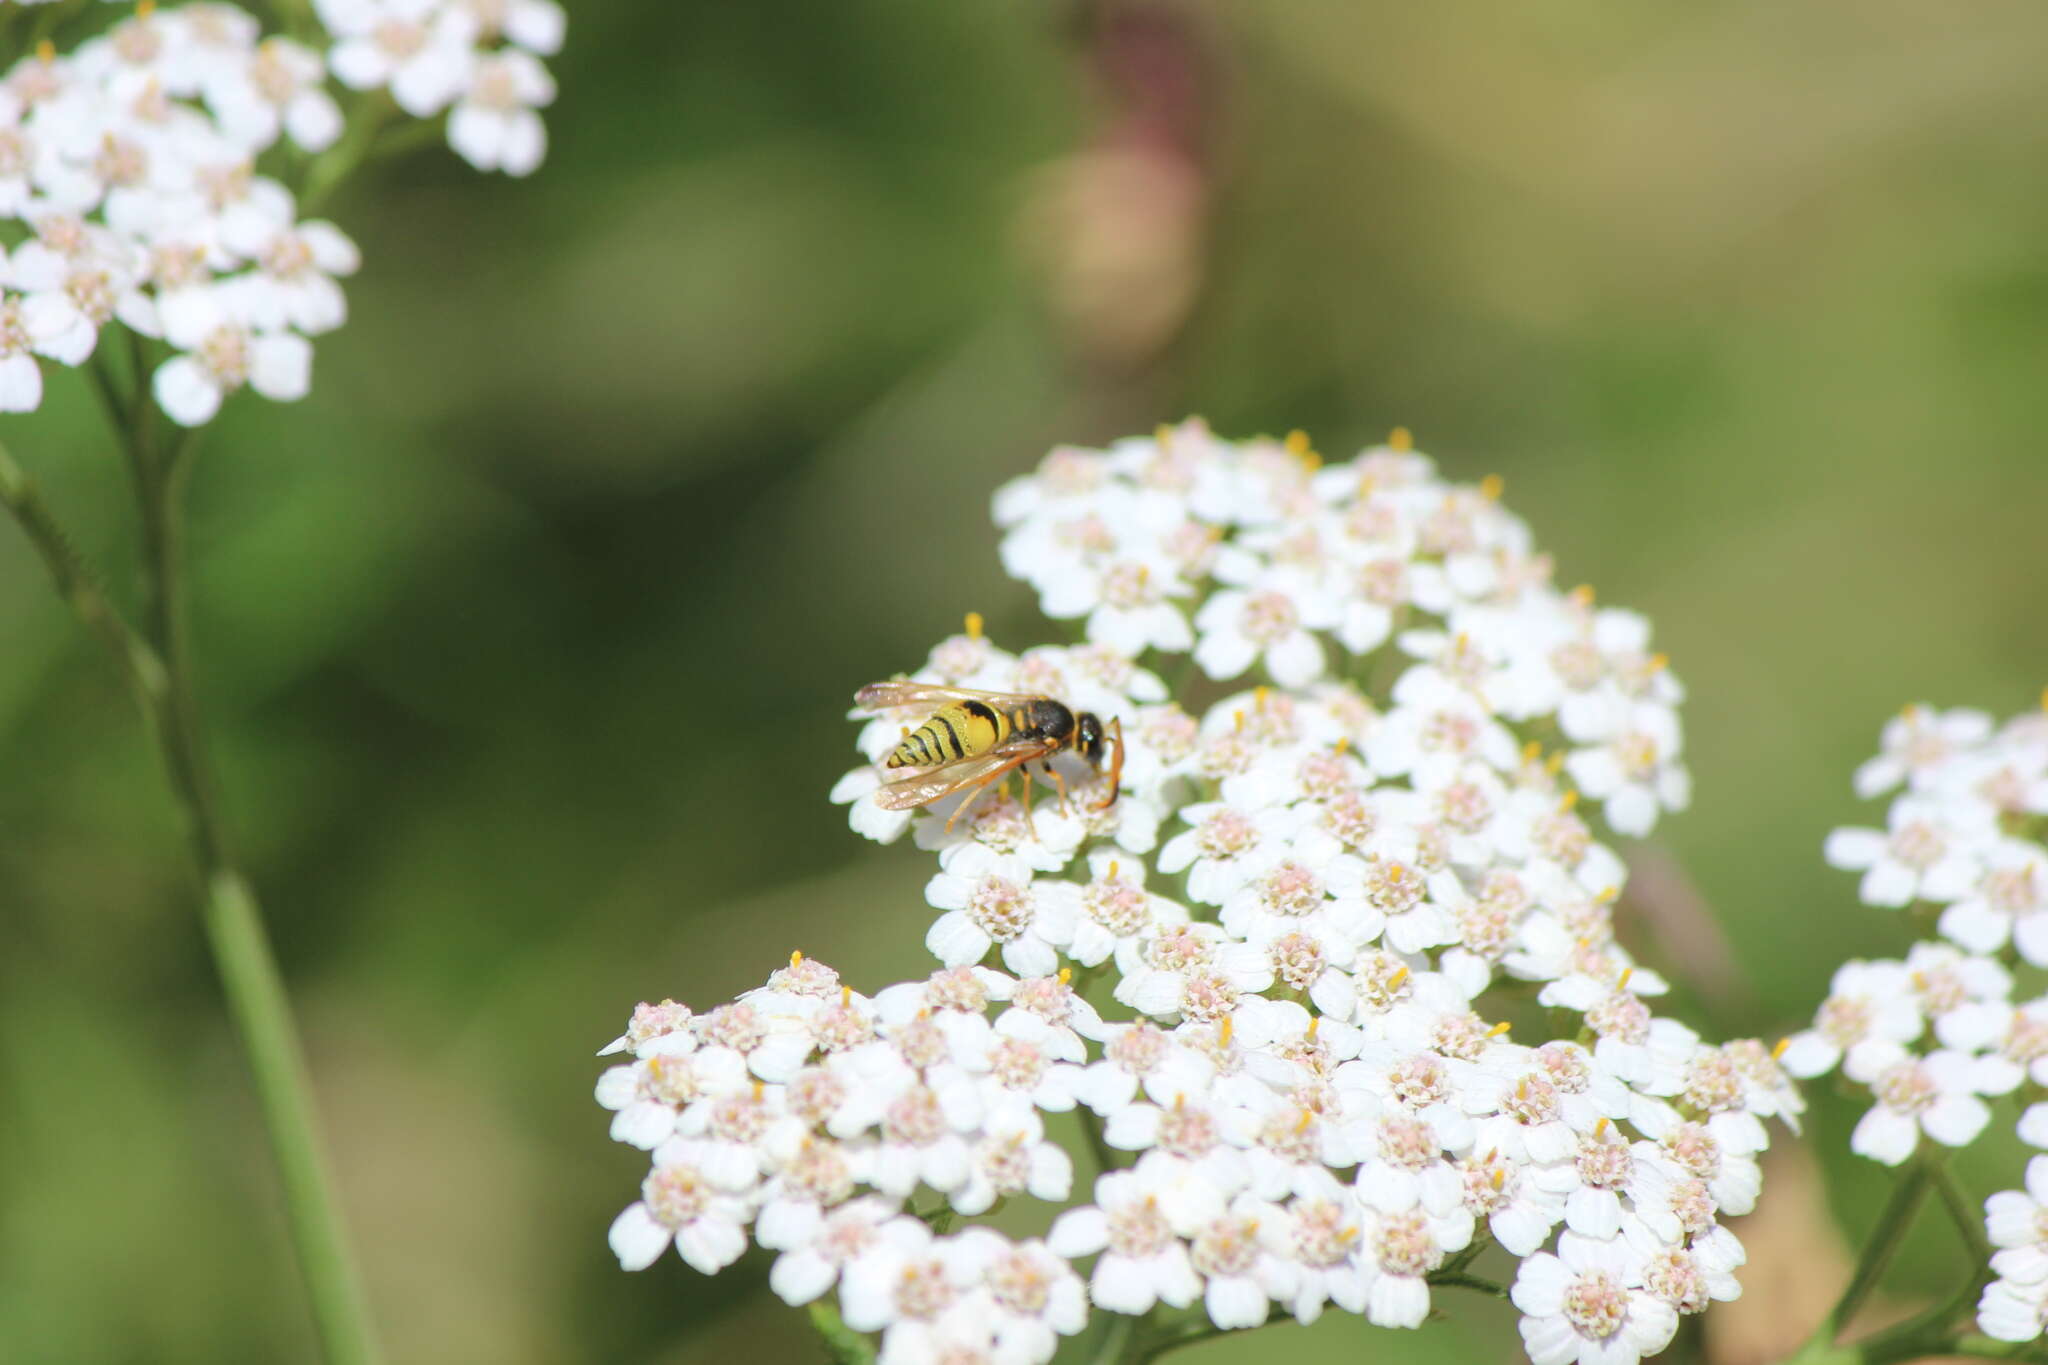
(528, 636)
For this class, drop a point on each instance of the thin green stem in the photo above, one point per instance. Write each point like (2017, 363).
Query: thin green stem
(234, 926)
(76, 584)
(1891, 1228)
(1458, 1279)
(332, 168)
(154, 663)
(1967, 1217)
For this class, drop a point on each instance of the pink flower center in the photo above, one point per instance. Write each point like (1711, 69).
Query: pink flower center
(1596, 1304)
(1403, 1246)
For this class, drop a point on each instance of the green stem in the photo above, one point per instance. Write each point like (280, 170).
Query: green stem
(153, 662)
(334, 166)
(1892, 1225)
(1967, 1217)
(249, 975)
(139, 665)
(1458, 1279)
(846, 1346)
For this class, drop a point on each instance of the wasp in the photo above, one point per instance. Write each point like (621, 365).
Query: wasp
(977, 738)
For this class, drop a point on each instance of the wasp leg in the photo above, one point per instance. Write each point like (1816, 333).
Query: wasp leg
(1116, 769)
(1061, 783)
(983, 785)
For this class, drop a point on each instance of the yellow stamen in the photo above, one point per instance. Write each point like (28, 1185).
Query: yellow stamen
(1297, 443)
(1608, 895)
(46, 52)
(144, 9)
(1224, 1029)
(1582, 596)
(1400, 438)
(974, 625)
(1307, 1117)
(760, 1088)
(1237, 721)
(1600, 1128)
(1522, 1088)
(1491, 487)
(1112, 869)
(1348, 1233)
(845, 997)
(1066, 976)
(1498, 1030)
(1162, 435)
(1555, 763)
(796, 959)
(1180, 1102)
(1779, 1050)
(1394, 981)
(1342, 746)
(1259, 695)
(1569, 800)
(2044, 699)
(1532, 751)
(1313, 1024)
(1500, 1179)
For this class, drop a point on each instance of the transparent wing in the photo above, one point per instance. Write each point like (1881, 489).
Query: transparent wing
(881, 695)
(947, 778)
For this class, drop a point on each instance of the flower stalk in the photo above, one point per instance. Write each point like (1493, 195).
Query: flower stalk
(156, 665)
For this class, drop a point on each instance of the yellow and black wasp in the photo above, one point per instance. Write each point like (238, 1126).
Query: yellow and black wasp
(977, 738)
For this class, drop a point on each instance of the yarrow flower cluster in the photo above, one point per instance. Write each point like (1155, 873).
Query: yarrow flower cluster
(133, 186)
(1310, 916)
(1935, 1036)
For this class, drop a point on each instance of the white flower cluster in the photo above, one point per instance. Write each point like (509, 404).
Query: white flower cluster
(1934, 1035)
(775, 1110)
(1316, 911)
(130, 192)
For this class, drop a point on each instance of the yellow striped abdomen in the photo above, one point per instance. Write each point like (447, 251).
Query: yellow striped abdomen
(961, 730)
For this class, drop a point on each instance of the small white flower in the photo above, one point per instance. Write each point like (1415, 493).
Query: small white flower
(1917, 743)
(494, 126)
(1143, 1258)
(1925, 854)
(1867, 1002)
(1239, 628)
(990, 901)
(219, 354)
(2017, 1223)
(816, 1246)
(1589, 1303)
(2006, 903)
(1938, 1094)
(678, 1207)
(1400, 1249)
(655, 1028)
(413, 46)
(1635, 771)
(277, 88)
(1036, 1296)
(2013, 1310)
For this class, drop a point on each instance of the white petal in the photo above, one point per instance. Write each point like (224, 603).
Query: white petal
(637, 1239)
(186, 391)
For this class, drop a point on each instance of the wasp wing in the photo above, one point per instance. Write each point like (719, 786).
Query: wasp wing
(908, 792)
(882, 695)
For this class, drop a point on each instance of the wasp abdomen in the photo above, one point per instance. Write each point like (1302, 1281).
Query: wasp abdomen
(954, 732)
